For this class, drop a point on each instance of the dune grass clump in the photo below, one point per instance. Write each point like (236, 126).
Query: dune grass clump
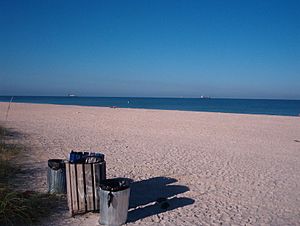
(25, 208)
(18, 207)
(13, 209)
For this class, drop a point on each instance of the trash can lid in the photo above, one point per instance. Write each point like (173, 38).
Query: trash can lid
(56, 164)
(116, 184)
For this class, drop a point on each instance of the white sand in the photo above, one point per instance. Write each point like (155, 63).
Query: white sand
(222, 168)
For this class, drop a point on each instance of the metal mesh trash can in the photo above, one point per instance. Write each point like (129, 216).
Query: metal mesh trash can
(114, 201)
(56, 176)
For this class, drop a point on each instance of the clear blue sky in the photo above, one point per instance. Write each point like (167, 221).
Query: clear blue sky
(241, 49)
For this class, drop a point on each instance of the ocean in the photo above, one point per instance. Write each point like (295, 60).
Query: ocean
(241, 106)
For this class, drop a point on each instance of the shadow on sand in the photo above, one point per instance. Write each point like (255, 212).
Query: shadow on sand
(155, 195)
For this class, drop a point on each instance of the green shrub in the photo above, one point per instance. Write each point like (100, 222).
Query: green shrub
(16, 207)
(25, 208)
(13, 210)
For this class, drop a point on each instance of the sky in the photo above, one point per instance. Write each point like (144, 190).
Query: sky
(154, 48)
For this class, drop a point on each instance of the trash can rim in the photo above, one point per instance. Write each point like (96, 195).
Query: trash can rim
(115, 185)
(56, 164)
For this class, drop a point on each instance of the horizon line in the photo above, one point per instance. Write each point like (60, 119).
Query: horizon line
(150, 97)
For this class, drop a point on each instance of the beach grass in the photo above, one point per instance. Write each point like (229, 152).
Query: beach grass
(19, 207)
(8, 151)
(25, 208)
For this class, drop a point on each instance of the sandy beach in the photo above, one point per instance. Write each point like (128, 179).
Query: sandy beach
(215, 168)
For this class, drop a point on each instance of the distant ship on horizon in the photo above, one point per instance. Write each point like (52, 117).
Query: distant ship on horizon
(71, 95)
(205, 97)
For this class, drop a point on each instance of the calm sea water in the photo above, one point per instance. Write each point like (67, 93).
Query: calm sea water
(244, 106)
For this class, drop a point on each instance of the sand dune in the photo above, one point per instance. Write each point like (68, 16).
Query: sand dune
(215, 168)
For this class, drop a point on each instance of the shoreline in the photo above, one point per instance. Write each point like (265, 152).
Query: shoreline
(153, 109)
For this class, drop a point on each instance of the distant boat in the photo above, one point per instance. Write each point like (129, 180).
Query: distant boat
(71, 95)
(205, 97)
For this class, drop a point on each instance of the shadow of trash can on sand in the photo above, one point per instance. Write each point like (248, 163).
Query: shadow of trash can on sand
(56, 176)
(114, 201)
